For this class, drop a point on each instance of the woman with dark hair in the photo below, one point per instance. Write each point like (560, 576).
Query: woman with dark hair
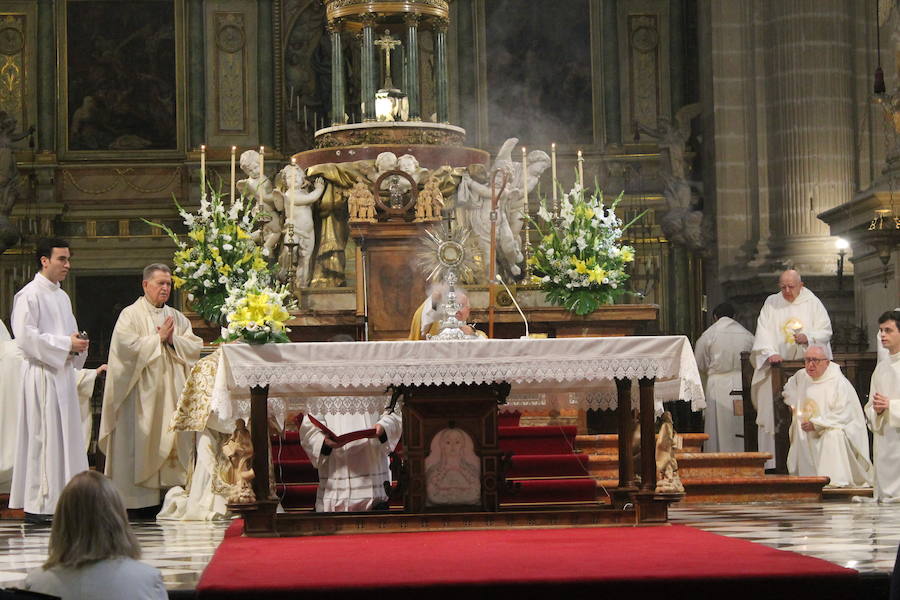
(93, 552)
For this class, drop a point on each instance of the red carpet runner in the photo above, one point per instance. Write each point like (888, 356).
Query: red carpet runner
(675, 562)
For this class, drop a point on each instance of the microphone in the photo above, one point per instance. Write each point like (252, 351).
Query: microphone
(518, 308)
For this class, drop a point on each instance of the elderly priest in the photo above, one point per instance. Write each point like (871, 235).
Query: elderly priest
(150, 355)
(788, 323)
(828, 433)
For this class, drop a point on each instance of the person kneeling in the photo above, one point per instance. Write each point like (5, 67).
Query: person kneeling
(828, 433)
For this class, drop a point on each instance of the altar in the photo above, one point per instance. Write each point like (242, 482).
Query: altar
(534, 366)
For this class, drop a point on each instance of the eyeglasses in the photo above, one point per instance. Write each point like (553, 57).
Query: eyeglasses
(814, 360)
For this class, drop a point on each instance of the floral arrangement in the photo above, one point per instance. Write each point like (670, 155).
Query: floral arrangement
(218, 255)
(580, 261)
(256, 313)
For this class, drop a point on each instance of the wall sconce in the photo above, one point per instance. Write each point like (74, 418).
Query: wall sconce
(884, 235)
(841, 244)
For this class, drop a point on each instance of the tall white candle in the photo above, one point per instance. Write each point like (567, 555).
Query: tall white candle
(553, 171)
(262, 163)
(203, 171)
(233, 157)
(525, 177)
(287, 197)
(580, 168)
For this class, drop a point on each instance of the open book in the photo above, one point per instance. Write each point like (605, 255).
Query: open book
(345, 438)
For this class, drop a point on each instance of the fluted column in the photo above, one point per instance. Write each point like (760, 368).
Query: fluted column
(367, 67)
(441, 77)
(338, 100)
(809, 100)
(412, 65)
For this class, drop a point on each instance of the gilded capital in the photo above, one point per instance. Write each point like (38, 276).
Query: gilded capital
(440, 24)
(368, 19)
(335, 26)
(411, 19)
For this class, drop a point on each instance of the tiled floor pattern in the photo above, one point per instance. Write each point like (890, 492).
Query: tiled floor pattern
(860, 536)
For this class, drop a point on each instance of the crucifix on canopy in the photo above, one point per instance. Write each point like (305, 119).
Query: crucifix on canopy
(387, 43)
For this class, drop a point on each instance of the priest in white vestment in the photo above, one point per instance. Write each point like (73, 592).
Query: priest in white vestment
(883, 412)
(49, 439)
(788, 323)
(151, 353)
(718, 354)
(427, 318)
(828, 432)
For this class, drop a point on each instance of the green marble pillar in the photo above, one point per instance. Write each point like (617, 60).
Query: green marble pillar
(412, 66)
(441, 77)
(265, 75)
(46, 63)
(367, 67)
(609, 42)
(196, 76)
(337, 74)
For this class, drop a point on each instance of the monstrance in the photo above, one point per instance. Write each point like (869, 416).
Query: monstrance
(447, 255)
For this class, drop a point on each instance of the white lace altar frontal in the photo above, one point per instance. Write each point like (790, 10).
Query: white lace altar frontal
(584, 368)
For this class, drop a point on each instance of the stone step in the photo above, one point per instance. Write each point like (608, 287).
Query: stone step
(608, 443)
(693, 465)
(742, 490)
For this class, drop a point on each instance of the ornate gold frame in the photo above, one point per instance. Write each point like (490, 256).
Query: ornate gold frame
(181, 106)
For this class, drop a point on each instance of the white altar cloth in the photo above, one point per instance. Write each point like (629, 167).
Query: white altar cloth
(532, 366)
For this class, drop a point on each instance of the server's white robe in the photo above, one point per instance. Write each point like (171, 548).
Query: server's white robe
(886, 429)
(775, 335)
(718, 354)
(839, 446)
(50, 441)
(351, 478)
(143, 383)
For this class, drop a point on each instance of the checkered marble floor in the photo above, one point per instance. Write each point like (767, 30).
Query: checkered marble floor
(179, 550)
(859, 536)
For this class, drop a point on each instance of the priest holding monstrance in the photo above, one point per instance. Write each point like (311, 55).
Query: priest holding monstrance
(788, 323)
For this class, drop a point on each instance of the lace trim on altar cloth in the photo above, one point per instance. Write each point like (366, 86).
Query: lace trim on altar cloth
(342, 405)
(603, 397)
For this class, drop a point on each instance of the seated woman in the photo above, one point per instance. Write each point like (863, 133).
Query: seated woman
(93, 552)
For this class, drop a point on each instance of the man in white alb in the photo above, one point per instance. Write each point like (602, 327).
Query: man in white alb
(150, 355)
(50, 442)
(788, 323)
(828, 432)
(718, 354)
(883, 411)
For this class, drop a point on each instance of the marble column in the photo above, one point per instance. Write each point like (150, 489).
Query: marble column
(412, 65)
(337, 74)
(441, 77)
(367, 67)
(810, 105)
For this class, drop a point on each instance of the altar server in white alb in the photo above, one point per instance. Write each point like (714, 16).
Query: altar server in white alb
(788, 323)
(883, 411)
(881, 353)
(352, 475)
(10, 399)
(150, 356)
(828, 432)
(718, 354)
(50, 442)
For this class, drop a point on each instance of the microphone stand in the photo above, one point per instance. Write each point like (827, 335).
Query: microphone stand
(492, 268)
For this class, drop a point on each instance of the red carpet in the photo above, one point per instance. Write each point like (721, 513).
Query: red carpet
(674, 562)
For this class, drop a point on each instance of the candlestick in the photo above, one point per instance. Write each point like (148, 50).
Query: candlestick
(580, 168)
(233, 153)
(553, 175)
(203, 172)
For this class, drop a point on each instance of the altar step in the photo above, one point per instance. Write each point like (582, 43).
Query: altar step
(608, 443)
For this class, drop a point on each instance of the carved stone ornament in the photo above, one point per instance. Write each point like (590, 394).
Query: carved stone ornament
(405, 135)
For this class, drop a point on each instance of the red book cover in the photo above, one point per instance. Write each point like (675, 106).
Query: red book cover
(345, 438)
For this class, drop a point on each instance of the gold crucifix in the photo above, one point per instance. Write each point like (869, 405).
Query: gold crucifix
(387, 43)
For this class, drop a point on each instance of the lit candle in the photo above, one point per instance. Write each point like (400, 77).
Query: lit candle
(287, 197)
(580, 168)
(305, 121)
(525, 177)
(553, 171)
(233, 153)
(203, 172)
(262, 163)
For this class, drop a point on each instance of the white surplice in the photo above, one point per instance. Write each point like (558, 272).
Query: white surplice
(775, 328)
(839, 446)
(50, 442)
(10, 398)
(351, 478)
(886, 429)
(718, 355)
(143, 383)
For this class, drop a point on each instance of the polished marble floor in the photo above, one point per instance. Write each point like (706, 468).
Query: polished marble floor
(859, 536)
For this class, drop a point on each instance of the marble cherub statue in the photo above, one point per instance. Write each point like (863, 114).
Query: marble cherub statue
(270, 206)
(667, 479)
(430, 201)
(361, 203)
(297, 196)
(239, 474)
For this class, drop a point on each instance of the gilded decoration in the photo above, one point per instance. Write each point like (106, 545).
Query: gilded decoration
(96, 183)
(195, 404)
(405, 135)
(12, 66)
(341, 8)
(230, 72)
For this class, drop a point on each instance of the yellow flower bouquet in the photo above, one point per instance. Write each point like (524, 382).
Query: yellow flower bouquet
(580, 261)
(256, 313)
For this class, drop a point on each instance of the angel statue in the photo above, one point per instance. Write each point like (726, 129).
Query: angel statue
(270, 206)
(297, 196)
(11, 184)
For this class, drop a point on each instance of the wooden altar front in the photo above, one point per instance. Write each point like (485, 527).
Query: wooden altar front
(445, 373)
